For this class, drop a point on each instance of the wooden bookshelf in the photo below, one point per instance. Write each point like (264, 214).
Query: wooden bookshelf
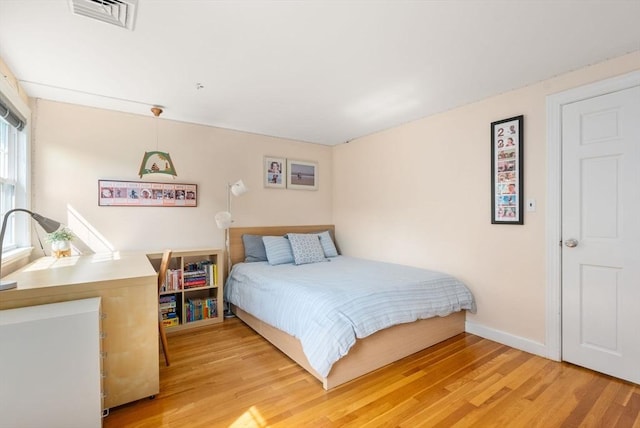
(195, 283)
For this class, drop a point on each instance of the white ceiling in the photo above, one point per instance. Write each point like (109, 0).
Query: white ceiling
(317, 71)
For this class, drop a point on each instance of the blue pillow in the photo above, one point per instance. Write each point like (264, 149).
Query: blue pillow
(328, 246)
(254, 250)
(306, 248)
(278, 250)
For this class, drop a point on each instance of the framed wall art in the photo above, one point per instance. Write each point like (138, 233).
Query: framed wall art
(115, 193)
(506, 171)
(275, 172)
(302, 175)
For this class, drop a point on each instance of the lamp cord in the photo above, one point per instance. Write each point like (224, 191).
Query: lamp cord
(156, 120)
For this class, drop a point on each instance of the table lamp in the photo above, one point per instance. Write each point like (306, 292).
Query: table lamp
(46, 223)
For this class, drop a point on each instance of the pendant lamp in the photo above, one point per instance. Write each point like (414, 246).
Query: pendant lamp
(157, 162)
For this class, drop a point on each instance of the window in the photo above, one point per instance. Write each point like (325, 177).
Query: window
(13, 184)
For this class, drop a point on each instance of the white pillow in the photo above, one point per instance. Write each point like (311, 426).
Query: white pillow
(306, 248)
(278, 250)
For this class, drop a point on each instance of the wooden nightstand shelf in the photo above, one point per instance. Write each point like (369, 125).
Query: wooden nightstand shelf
(193, 291)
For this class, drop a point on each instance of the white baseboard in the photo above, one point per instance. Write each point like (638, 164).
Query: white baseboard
(508, 339)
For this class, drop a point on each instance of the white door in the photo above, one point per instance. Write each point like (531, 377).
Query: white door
(601, 233)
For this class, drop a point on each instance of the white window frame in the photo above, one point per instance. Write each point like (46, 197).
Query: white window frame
(22, 198)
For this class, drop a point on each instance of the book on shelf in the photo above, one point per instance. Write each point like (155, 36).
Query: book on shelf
(195, 284)
(195, 274)
(170, 322)
(172, 281)
(203, 270)
(213, 274)
(169, 315)
(168, 304)
(201, 309)
(167, 299)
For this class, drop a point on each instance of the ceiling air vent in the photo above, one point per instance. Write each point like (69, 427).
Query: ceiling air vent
(116, 12)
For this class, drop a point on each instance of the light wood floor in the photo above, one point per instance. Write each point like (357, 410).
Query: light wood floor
(228, 376)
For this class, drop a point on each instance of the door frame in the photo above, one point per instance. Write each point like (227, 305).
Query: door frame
(555, 102)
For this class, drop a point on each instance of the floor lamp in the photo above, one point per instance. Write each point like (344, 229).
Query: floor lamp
(46, 223)
(224, 220)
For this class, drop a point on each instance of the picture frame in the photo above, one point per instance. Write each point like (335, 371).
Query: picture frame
(302, 175)
(118, 193)
(507, 175)
(275, 172)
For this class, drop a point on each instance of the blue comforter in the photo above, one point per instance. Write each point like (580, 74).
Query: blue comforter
(328, 305)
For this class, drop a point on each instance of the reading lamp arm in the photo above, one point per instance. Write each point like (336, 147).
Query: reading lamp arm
(46, 223)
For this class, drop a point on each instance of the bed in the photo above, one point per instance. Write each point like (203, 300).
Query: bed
(353, 357)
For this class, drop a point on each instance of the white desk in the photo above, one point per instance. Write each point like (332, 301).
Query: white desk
(127, 284)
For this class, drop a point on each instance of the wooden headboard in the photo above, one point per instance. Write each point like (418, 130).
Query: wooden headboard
(236, 247)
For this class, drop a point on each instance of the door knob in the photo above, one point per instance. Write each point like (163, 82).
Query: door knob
(571, 243)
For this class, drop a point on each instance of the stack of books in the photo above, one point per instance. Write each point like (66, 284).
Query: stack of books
(200, 274)
(168, 310)
(173, 281)
(201, 309)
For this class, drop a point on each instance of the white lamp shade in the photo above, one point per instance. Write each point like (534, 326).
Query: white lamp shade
(238, 188)
(223, 220)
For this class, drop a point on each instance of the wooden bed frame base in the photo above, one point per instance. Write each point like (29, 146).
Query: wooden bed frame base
(368, 354)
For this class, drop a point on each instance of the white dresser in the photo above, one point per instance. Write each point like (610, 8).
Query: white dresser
(50, 365)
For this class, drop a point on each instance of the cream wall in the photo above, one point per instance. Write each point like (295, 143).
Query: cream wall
(74, 146)
(419, 194)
